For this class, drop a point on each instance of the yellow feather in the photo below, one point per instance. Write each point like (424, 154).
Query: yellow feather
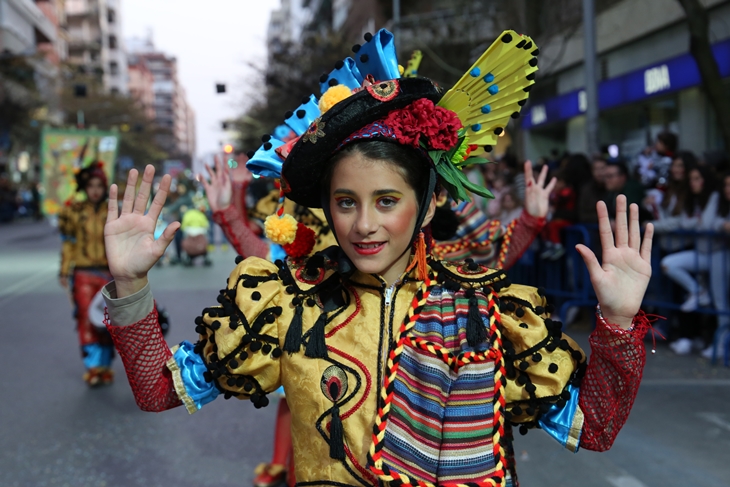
(504, 67)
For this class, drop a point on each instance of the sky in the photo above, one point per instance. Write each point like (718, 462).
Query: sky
(213, 41)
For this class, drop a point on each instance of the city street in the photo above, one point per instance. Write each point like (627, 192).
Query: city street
(55, 431)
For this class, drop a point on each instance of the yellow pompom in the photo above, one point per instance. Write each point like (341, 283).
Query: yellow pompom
(401, 69)
(282, 230)
(333, 96)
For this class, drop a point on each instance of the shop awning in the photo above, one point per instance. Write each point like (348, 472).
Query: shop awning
(663, 77)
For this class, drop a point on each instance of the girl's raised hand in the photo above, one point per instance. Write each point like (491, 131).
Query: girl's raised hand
(621, 280)
(131, 248)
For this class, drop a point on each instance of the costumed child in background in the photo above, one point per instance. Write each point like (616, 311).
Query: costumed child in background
(489, 241)
(383, 350)
(84, 268)
(563, 213)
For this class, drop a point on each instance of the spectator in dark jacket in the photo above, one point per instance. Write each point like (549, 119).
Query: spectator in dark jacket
(592, 192)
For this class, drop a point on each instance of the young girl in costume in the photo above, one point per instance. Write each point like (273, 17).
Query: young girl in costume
(399, 368)
(84, 268)
(498, 246)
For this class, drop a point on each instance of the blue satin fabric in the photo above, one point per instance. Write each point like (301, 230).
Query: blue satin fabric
(282, 132)
(311, 112)
(191, 371)
(276, 252)
(557, 421)
(96, 355)
(266, 163)
(382, 61)
(347, 75)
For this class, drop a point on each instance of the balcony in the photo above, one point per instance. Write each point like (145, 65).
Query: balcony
(82, 43)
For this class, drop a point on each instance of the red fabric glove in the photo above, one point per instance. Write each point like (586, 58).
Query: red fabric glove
(611, 381)
(526, 229)
(144, 353)
(239, 234)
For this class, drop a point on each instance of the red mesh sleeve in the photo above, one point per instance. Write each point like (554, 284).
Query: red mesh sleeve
(243, 239)
(611, 381)
(526, 228)
(144, 353)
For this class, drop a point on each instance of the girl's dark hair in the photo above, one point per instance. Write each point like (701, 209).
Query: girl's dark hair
(410, 163)
(700, 200)
(679, 189)
(724, 207)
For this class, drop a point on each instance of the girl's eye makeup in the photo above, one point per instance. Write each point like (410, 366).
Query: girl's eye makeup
(387, 201)
(345, 203)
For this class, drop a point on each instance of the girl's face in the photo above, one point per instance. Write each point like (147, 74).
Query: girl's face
(374, 213)
(696, 182)
(95, 190)
(676, 170)
(726, 188)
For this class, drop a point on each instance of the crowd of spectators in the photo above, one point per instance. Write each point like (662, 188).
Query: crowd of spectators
(686, 198)
(18, 200)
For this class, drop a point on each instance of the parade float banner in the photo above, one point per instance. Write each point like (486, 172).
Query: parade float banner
(63, 153)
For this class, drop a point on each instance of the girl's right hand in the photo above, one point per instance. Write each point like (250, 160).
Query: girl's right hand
(131, 248)
(219, 190)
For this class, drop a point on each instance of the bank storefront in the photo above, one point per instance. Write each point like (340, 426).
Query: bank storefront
(634, 107)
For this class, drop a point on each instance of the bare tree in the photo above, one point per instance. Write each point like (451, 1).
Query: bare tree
(699, 46)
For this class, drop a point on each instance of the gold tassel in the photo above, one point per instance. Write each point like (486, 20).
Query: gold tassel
(419, 260)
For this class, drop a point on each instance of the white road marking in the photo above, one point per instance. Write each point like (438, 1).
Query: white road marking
(716, 419)
(625, 481)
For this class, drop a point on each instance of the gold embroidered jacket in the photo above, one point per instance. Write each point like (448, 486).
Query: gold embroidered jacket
(370, 369)
(82, 232)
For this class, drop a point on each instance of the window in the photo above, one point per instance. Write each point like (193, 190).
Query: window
(112, 42)
(111, 16)
(113, 68)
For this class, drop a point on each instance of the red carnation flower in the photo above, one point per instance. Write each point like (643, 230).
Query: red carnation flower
(303, 242)
(439, 125)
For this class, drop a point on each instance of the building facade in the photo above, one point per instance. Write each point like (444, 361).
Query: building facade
(141, 84)
(648, 82)
(170, 108)
(95, 41)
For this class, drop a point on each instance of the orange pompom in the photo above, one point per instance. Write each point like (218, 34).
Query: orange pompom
(280, 230)
(333, 96)
(302, 244)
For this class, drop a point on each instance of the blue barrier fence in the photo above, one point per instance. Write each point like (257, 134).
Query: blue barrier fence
(567, 282)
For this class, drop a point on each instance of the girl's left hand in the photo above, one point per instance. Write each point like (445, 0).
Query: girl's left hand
(537, 198)
(621, 281)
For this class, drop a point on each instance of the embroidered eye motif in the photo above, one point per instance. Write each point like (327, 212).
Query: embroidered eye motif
(384, 90)
(334, 383)
(314, 131)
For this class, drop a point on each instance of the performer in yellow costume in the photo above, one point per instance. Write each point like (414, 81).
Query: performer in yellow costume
(399, 368)
(84, 268)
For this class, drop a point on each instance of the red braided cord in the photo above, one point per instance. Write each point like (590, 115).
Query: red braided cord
(612, 380)
(239, 234)
(144, 354)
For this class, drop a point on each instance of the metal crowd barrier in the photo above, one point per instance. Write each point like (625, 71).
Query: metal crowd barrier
(567, 283)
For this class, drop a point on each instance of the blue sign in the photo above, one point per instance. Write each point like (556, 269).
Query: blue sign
(668, 76)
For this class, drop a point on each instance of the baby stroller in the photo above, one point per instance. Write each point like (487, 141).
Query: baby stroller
(195, 236)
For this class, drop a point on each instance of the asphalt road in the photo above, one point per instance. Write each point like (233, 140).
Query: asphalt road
(54, 431)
